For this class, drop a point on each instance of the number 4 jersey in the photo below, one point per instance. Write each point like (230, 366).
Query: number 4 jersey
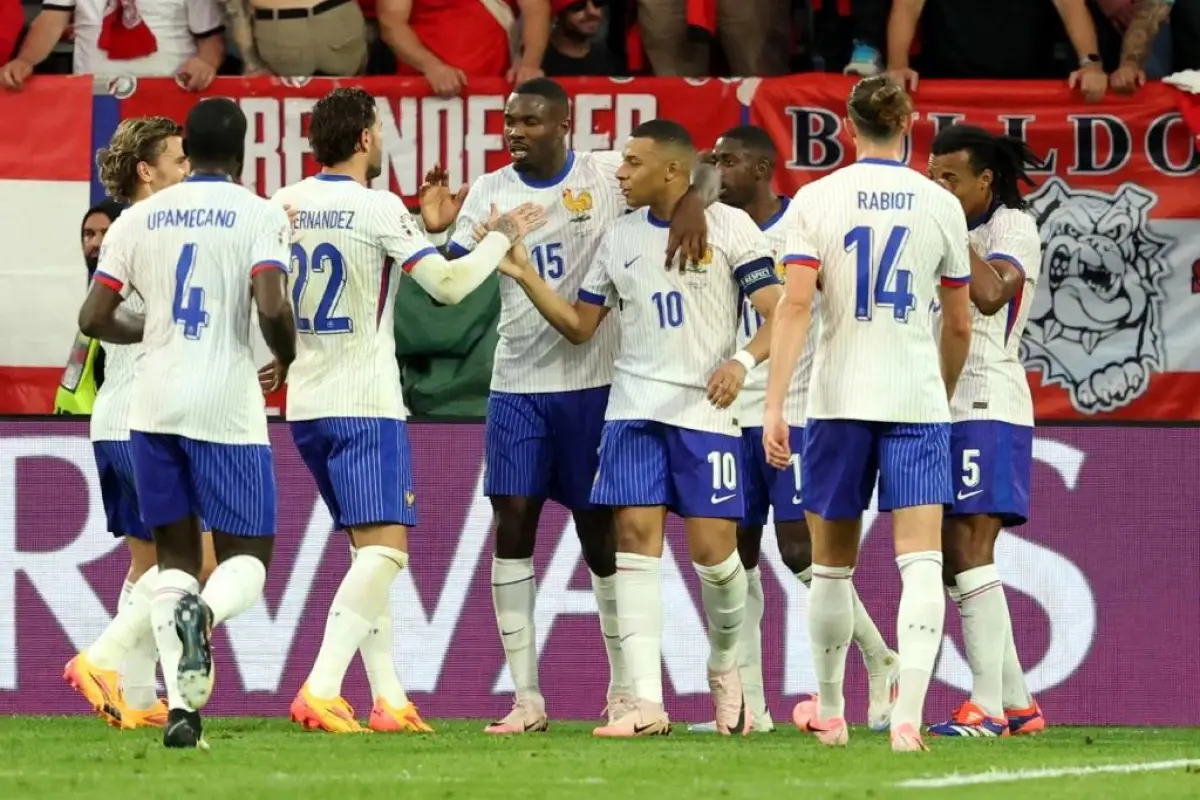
(882, 236)
(190, 251)
(349, 240)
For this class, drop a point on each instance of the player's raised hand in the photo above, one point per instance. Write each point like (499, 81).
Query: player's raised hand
(776, 441)
(725, 383)
(518, 223)
(271, 377)
(688, 237)
(440, 206)
(14, 74)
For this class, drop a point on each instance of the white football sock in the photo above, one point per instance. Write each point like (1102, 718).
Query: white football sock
(723, 591)
(378, 657)
(830, 627)
(234, 586)
(171, 586)
(514, 593)
(1014, 690)
(360, 600)
(605, 590)
(141, 663)
(750, 644)
(120, 637)
(866, 635)
(918, 632)
(985, 624)
(639, 615)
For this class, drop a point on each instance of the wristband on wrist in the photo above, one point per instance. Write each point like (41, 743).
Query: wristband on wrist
(744, 358)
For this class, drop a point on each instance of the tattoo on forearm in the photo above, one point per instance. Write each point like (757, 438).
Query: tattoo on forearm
(508, 225)
(237, 13)
(1148, 15)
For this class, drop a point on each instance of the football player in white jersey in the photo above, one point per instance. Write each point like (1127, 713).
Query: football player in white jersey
(670, 439)
(879, 237)
(546, 408)
(197, 419)
(745, 158)
(145, 156)
(991, 441)
(344, 399)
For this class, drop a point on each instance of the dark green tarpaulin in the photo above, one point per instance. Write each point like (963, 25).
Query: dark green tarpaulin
(445, 352)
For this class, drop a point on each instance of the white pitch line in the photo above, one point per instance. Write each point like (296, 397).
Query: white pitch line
(1000, 776)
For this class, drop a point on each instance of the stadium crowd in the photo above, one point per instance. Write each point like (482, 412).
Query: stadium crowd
(1096, 44)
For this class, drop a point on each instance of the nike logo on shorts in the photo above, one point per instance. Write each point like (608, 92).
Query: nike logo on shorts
(966, 495)
(797, 500)
(721, 499)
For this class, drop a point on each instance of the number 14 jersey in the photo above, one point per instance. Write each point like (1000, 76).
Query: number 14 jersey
(882, 236)
(349, 241)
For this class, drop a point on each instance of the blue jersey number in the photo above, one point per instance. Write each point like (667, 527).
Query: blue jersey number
(751, 319)
(188, 305)
(880, 284)
(670, 309)
(549, 260)
(325, 259)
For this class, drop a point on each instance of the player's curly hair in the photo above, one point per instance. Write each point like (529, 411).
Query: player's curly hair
(879, 107)
(1007, 157)
(137, 140)
(338, 120)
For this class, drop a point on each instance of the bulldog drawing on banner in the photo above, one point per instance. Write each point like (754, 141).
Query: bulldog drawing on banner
(1096, 323)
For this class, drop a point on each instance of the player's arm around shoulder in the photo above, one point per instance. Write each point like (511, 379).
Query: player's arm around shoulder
(999, 275)
(101, 316)
(473, 212)
(578, 321)
(269, 257)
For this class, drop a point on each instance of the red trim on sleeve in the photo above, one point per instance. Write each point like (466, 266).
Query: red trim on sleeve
(109, 281)
(802, 261)
(955, 283)
(263, 266)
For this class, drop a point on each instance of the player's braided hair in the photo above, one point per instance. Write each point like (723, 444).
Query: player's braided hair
(879, 107)
(1006, 156)
(137, 140)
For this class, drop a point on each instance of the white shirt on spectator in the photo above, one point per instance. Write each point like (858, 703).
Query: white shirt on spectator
(176, 24)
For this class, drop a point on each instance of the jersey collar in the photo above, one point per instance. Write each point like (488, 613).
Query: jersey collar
(553, 180)
(207, 177)
(784, 202)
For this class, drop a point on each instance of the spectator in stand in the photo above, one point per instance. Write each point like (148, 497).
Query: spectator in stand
(450, 41)
(574, 49)
(142, 38)
(997, 40)
(298, 38)
(1142, 22)
(12, 20)
(754, 34)
(850, 33)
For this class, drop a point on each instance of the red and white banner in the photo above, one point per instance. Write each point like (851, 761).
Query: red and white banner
(1115, 327)
(1113, 332)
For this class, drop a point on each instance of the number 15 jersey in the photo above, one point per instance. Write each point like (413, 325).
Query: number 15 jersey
(348, 241)
(882, 235)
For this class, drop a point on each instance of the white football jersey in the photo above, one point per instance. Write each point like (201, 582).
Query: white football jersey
(189, 251)
(343, 289)
(993, 384)
(531, 356)
(676, 329)
(751, 401)
(110, 412)
(882, 235)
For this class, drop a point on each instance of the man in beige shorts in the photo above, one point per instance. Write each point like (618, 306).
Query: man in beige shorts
(298, 38)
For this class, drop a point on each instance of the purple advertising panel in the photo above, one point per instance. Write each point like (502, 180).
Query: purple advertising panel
(1102, 585)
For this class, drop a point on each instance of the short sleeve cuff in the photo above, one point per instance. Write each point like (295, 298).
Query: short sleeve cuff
(108, 280)
(955, 283)
(592, 298)
(416, 257)
(802, 260)
(1010, 259)
(263, 266)
(456, 250)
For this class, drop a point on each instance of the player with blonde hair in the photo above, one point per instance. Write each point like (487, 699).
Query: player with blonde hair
(144, 156)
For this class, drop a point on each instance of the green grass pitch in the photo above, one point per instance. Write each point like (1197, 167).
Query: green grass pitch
(79, 757)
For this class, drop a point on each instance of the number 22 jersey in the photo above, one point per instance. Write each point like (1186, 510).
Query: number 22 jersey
(349, 240)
